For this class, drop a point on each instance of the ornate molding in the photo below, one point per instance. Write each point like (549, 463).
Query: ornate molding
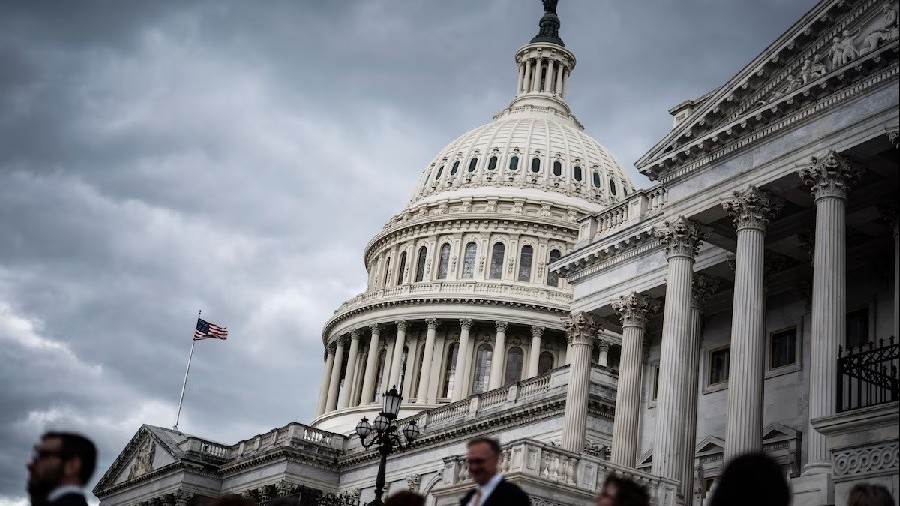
(831, 176)
(401, 325)
(681, 237)
(501, 325)
(634, 308)
(867, 460)
(537, 331)
(752, 208)
(465, 323)
(582, 329)
(894, 138)
(432, 323)
(703, 287)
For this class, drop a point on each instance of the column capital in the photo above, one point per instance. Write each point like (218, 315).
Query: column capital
(890, 215)
(432, 323)
(894, 138)
(702, 289)
(681, 237)
(634, 308)
(465, 323)
(355, 333)
(582, 328)
(401, 325)
(831, 176)
(501, 325)
(537, 331)
(375, 328)
(752, 208)
(603, 345)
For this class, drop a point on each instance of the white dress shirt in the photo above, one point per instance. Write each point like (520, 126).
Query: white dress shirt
(58, 492)
(486, 490)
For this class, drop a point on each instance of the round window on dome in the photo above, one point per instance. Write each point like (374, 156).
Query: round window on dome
(472, 164)
(492, 163)
(513, 162)
(455, 168)
(597, 181)
(576, 173)
(612, 187)
(557, 168)
(535, 165)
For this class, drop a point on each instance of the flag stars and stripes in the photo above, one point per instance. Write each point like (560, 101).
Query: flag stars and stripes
(207, 330)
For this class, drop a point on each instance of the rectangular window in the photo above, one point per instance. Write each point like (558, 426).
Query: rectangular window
(718, 366)
(655, 391)
(783, 348)
(857, 327)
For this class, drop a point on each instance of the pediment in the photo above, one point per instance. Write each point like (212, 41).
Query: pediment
(826, 49)
(778, 432)
(710, 445)
(146, 452)
(646, 459)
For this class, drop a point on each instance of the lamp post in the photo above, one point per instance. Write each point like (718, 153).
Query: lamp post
(384, 433)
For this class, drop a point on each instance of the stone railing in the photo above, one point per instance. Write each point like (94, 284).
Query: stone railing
(562, 472)
(291, 435)
(639, 205)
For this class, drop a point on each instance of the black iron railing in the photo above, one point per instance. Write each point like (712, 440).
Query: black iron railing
(867, 375)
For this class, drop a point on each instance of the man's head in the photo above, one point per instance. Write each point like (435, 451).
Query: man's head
(617, 491)
(484, 458)
(61, 458)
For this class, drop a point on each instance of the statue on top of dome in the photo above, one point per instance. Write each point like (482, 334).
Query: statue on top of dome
(549, 25)
(550, 6)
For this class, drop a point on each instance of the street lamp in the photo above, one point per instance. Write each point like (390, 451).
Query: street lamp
(384, 433)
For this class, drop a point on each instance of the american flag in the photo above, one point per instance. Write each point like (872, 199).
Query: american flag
(206, 330)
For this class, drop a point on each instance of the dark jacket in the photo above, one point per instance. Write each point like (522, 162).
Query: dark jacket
(71, 499)
(506, 494)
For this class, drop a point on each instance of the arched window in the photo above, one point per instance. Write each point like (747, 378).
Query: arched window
(497, 254)
(515, 358)
(492, 163)
(450, 371)
(545, 362)
(440, 171)
(552, 277)
(513, 162)
(414, 385)
(535, 165)
(444, 261)
(379, 381)
(455, 168)
(401, 268)
(472, 164)
(576, 173)
(469, 260)
(482, 368)
(557, 168)
(612, 187)
(525, 263)
(597, 181)
(420, 263)
(387, 272)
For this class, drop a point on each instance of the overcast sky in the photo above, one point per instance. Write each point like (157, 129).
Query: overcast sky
(161, 157)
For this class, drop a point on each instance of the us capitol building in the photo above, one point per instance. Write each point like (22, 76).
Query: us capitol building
(529, 291)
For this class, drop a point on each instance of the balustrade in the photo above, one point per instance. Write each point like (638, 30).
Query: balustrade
(867, 375)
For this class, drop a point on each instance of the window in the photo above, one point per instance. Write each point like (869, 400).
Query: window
(472, 164)
(450, 371)
(525, 263)
(545, 362)
(514, 360)
(387, 272)
(718, 366)
(401, 268)
(439, 172)
(857, 328)
(455, 168)
(597, 181)
(557, 168)
(513, 162)
(379, 387)
(492, 163)
(469, 260)
(497, 254)
(654, 388)
(420, 263)
(612, 187)
(482, 368)
(552, 277)
(783, 348)
(535, 165)
(576, 173)
(444, 261)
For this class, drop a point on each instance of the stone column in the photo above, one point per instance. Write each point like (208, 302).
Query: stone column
(526, 83)
(498, 360)
(534, 355)
(559, 79)
(424, 373)
(891, 218)
(603, 357)
(437, 364)
(580, 329)
(536, 80)
(409, 367)
(830, 179)
(397, 356)
(751, 210)
(351, 369)
(703, 288)
(462, 360)
(521, 78)
(633, 309)
(548, 82)
(326, 376)
(335, 382)
(368, 389)
(681, 239)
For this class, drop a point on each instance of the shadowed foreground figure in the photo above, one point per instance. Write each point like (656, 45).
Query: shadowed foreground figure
(405, 498)
(60, 467)
(752, 479)
(493, 489)
(618, 491)
(865, 494)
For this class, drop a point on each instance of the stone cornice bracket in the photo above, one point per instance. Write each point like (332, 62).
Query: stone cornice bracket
(432, 323)
(832, 176)
(465, 323)
(634, 308)
(894, 138)
(401, 325)
(582, 329)
(752, 208)
(501, 325)
(681, 237)
(703, 287)
(537, 331)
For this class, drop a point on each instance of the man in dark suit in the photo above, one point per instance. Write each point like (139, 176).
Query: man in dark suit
(493, 489)
(60, 467)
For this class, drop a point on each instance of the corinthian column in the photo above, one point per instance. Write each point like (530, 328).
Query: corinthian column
(368, 389)
(751, 210)
(681, 239)
(830, 179)
(891, 219)
(534, 355)
(397, 359)
(324, 387)
(351, 369)
(703, 288)
(499, 358)
(427, 355)
(335, 383)
(462, 360)
(633, 309)
(603, 357)
(580, 329)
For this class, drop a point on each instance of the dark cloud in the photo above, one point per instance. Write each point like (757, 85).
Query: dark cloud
(157, 158)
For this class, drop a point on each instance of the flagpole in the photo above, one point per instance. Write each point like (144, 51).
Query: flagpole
(186, 372)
